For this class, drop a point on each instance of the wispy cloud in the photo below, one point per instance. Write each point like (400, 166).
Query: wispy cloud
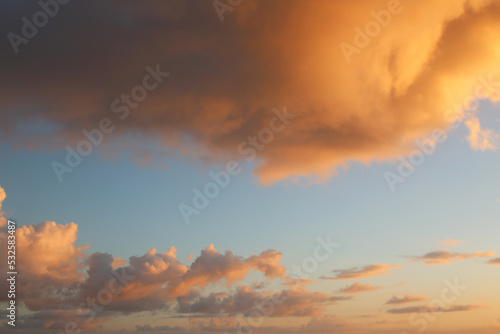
(358, 288)
(406, 299)
(446, 257)
(366, 271)
(428, 309)
(449, 242)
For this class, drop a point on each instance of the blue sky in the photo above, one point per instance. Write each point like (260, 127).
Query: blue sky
(116, 198)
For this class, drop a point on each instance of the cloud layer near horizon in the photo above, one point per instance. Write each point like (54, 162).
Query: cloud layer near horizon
(58, 280)
(65, 285)
(226, 77)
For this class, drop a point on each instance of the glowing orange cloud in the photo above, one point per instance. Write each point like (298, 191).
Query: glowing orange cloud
(414, 73)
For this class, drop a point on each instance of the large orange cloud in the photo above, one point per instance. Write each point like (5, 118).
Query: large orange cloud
(416, 74)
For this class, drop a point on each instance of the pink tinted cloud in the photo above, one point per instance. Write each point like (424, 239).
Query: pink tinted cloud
(359, 288)
(441, 257)
(364, 272)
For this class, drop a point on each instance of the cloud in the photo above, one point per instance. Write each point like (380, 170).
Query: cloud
(449, 242)
(428, 309)
(366, 271)
(358, 288)
(50, 263)
(406, 299)
(446, 257)
(157, 280)
(294, 281)
(211, 266)
(60, 280)
(50, 250)
(118, 262)
(226, 78)
(3, 221)
(495, 261)
(481, 140)
(293, 302)
(58, 276)
(327, 323)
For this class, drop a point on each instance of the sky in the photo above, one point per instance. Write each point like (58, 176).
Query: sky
(250, 166)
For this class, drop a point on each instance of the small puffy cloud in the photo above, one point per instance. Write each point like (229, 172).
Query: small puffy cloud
(446, 257)
(118, 262)
(366, 271)
(449, 242)
(358, 288)
(495, 261)
(212, 266)
(406, 299)
(480, 139)
(429, 309)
